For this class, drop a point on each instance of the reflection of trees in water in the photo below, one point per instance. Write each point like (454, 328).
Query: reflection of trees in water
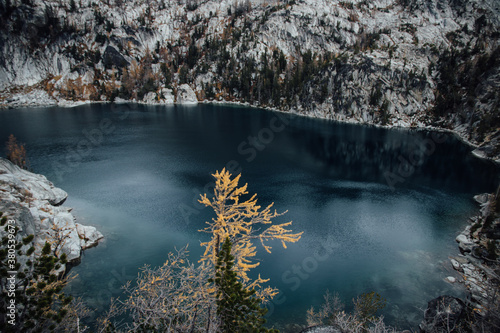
(373, 154)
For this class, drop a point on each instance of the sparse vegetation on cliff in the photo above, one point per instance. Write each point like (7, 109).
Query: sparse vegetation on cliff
(392, 63)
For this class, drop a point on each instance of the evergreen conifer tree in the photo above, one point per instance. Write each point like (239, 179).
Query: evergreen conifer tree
(34, 291)
(237, 308)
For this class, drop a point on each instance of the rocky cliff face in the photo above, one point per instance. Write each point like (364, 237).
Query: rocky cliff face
(35, 206)
(391, 62)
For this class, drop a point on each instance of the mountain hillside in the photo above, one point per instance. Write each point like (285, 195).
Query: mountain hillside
(405, 63)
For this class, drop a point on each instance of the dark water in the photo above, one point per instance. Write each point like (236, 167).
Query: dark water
(379, 208)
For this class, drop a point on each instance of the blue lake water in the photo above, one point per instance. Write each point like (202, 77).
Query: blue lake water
(379, 208)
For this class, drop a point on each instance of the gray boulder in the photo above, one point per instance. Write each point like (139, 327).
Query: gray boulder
(465, 243)
(186, 95)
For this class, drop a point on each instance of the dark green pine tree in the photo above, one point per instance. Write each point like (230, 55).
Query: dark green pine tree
(237, 308)
(40, 305)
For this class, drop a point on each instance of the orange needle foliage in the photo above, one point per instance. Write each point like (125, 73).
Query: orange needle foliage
(182, 297)
(242, 221)
(16, 153)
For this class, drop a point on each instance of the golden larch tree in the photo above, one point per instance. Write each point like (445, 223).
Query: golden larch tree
(243, 221)
(179, 296)
(16, 152)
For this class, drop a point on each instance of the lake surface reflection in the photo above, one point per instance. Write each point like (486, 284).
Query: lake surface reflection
(379, 208)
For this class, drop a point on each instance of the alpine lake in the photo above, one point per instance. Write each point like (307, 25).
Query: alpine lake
(379, 208)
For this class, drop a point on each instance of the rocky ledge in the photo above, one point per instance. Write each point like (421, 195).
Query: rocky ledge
(479, 269)
(478, 245)
(35, 205)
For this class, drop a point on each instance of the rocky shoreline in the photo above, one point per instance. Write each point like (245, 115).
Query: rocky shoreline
(35, 205)
(188, 97)
(478, 245)
(479, 269)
